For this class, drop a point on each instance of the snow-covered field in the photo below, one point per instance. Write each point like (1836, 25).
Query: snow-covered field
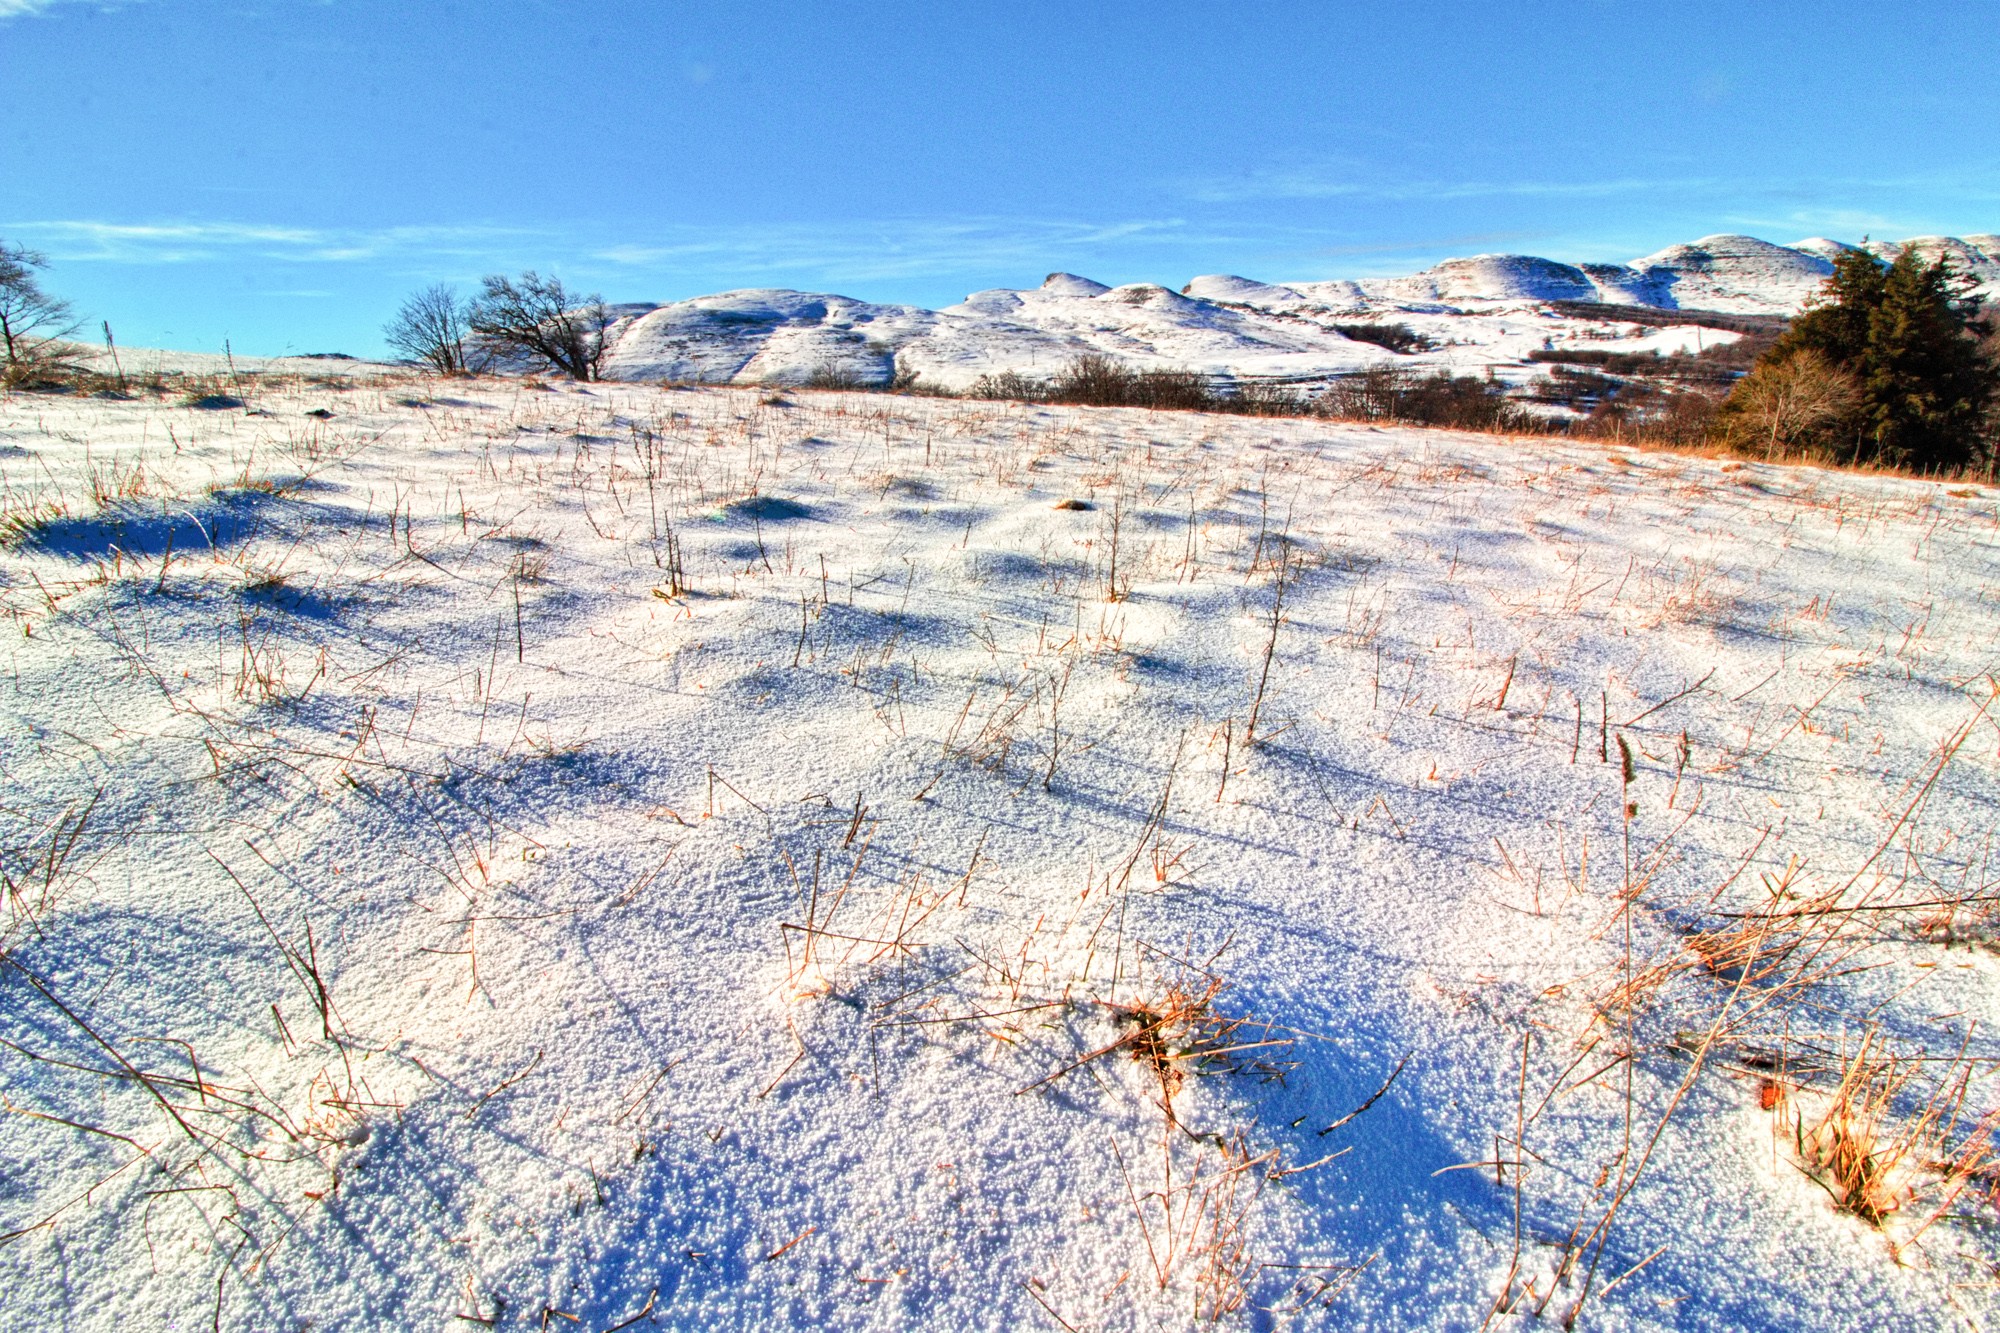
(601, 857)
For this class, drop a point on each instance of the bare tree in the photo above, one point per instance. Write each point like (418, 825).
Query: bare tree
(431, 328)
(1793, 405)
(539, 318)
(32, 323)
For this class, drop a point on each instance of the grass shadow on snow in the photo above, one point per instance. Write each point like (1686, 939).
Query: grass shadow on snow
(305, 602)
(219, 519)
(766, 509)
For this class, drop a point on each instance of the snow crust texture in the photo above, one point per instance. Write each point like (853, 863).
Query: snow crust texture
(611, 857)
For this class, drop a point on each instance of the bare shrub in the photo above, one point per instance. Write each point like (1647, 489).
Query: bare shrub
(1100, 381)
(1388, 393)
(833, 377)
(54, 363)
(1009, 386)
(1643, 414)
(1794, 405)
(33, 324)
(1267, 400)
(1398, 338)
(431, 328)
(541, 320)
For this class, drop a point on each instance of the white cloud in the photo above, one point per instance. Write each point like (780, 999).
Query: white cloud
(1355, 181)
(14, 9)
(1330, 183)
(850, 252)
(859, 255)
(186, 242)
(896, 248)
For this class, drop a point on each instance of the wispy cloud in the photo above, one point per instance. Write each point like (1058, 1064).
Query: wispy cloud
(1844, 224)
(901, 248)
(181, 242)
(1426, 245)
(865, 257)
(1337, 183)
(14, 9)
(854, 251)
(1340, 180)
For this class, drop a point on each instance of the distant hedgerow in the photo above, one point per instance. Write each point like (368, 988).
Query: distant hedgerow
(1399, 338)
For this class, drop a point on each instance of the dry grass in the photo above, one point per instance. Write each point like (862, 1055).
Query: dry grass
(1888, 1136)
(888, 947)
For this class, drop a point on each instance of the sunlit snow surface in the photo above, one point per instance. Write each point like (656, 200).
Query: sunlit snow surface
(401, 701)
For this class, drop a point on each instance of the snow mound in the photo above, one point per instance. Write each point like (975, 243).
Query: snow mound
(1336, 294)
(1823, 247)
(1069, 284)
(1155, 297)
(1227, 288)
(1497, 278)
(1735, 273)
(1980, 262)
(765, 336)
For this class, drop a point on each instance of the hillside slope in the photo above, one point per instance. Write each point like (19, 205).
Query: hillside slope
(1483, 313)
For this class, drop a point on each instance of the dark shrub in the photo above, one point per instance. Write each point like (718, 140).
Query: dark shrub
(1399, 338)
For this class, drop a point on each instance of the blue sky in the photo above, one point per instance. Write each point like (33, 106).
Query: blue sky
(281, 172)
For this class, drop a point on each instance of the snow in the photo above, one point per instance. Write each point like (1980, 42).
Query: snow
(142, 362)
(1226, 288)
(1735, 273)
(1070, 284)
(1667, 341)
(1486, 311)
(1977, 257)
(402, 701)
(1493, 278)
(1823, 247)
(760, 335)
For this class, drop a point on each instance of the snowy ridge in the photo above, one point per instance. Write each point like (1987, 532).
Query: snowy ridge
(1484, 312)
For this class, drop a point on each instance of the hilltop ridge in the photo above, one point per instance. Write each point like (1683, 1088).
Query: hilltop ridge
(1479, 314)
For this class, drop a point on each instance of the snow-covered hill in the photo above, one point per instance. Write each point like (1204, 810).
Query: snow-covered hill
(1480, 313)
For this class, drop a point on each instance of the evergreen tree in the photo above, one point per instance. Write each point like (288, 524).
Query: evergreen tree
(1925, 380)
(1906, 335)
(1835, 324)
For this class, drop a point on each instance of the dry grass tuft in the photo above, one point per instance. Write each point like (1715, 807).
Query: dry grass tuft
(1888, 1140)
(1179, 1031)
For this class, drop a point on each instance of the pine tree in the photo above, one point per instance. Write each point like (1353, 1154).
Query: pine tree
(1906, 335)
(1924, 378)
(1835, 324)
